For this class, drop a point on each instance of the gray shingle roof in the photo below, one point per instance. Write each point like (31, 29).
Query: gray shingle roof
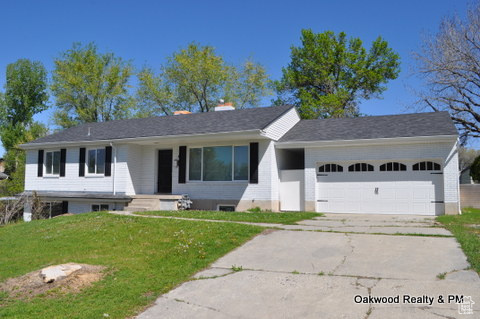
(189, 124)
(371, 127)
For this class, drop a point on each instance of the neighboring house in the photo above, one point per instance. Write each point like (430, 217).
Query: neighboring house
(260, 157)
(465, 177)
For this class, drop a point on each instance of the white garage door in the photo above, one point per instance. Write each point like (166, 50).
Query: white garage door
(380, 192)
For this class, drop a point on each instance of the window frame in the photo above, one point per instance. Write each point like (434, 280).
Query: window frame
(87, 158)
(226, 205)
(100, 207)
(361, 170)
(400, 166)
(45, 163)
(232, 146)
(330, 171)
(426, 166)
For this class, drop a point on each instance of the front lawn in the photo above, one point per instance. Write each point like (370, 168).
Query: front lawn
(466, 228)
(145, 258)
(275, 218)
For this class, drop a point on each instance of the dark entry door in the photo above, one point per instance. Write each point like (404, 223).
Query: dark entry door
(164, 171)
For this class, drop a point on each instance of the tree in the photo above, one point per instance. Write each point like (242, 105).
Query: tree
(195, 78)
(449, 63)
(90, 86)
(475, 170)
(25, 95)
(329, 74)
(25, 92)
(466, 157)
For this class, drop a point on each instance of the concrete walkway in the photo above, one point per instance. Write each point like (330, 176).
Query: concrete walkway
(319, 274)
(344, 223)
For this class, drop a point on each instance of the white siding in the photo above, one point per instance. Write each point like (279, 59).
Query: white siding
(451, 177)
(282, 125)
(74, 183)
(444, 153)
(133, 170)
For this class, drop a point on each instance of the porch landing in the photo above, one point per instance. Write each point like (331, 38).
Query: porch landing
(145, 202)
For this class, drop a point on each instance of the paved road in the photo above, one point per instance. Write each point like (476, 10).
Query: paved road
(298, 273)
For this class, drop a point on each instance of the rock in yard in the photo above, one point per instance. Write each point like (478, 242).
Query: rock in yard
(52, 273)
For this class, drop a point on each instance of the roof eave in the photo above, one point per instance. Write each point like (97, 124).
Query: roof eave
(257, 133)
(373, 141)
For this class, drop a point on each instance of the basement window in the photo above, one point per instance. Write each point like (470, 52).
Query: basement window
(99, 207)
(226, 208)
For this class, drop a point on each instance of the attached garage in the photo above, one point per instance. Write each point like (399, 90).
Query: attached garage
(388, 188)
(397, 164)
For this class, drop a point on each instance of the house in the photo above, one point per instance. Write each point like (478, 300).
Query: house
(465, 177)
(261, 157)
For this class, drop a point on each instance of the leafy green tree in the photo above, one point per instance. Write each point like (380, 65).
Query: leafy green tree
(475, 170)
(329, 74)
(90, 86)
(15, 157)
(25, 95)
(195, 78)
(25, 92)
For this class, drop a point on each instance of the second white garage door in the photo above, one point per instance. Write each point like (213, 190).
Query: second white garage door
(380, 192)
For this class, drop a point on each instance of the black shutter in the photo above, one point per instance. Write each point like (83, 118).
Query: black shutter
(254, 163)
(108, 161)
(182, 164)
(63, 159)
(40, 163)
(81, 162)
(64, 207)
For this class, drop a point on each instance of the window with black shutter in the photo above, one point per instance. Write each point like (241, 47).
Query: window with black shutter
(253, 163)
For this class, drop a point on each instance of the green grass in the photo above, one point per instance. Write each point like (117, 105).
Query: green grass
(275, 218)
(145, 258)
(466, 228)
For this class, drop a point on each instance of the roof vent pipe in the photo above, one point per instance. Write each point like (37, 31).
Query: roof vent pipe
(88, 133)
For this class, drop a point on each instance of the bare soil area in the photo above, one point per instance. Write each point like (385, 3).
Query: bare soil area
(30, 285)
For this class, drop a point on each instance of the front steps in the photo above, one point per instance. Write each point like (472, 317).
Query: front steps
(141, 203)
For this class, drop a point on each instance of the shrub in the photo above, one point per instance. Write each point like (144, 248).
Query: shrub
(255, 210)
(475, 169)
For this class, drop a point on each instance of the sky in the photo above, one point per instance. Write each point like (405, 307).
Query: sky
(146, 32)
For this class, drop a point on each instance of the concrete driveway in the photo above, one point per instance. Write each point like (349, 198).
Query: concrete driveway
(298, 272)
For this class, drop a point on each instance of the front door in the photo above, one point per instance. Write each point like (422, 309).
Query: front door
(164, 171)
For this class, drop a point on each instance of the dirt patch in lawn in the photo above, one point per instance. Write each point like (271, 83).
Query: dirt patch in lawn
(30, 285)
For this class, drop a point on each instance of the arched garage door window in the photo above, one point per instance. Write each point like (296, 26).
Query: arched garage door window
(327, 168)
(393, 167)
(426, 166)
(360, 167)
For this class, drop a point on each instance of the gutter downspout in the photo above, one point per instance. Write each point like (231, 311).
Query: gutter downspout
(114, 167)
(114, 191)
